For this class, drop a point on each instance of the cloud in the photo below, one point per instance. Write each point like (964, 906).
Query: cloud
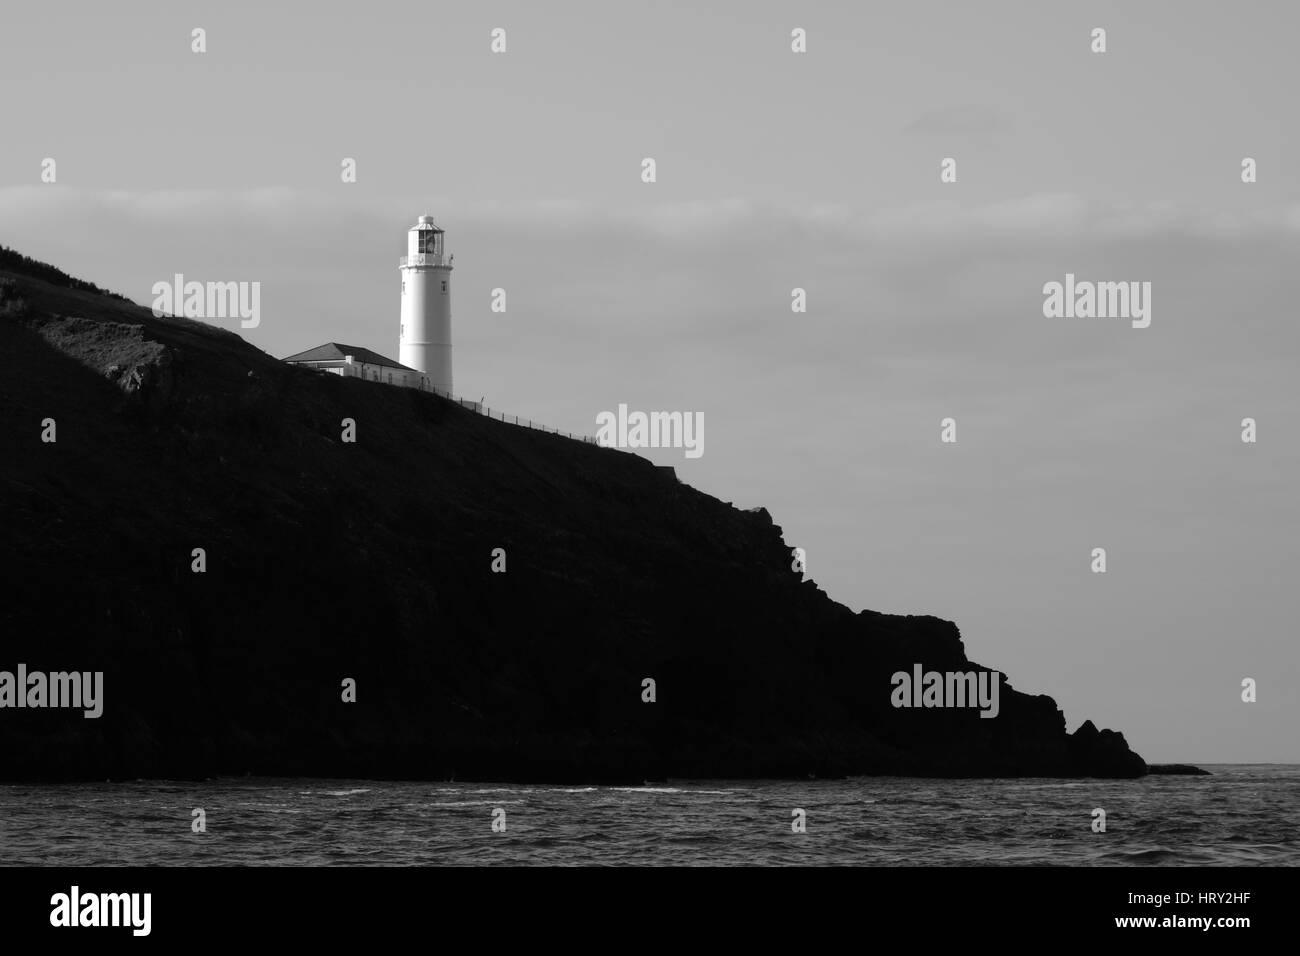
(730, 221)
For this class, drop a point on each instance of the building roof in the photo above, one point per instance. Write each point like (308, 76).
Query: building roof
(334, 352)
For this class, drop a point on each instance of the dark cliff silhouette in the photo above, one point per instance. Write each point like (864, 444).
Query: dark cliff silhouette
(371, 561)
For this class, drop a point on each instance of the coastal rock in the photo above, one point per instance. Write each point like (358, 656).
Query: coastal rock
(372, 561)
(1176, 770)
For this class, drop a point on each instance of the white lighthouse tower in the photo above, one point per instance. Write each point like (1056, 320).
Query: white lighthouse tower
(424, 340)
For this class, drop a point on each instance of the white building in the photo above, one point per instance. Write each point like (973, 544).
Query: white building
(424, 336)
(353, 361)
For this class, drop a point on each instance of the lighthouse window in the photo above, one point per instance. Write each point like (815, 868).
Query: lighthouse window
(444, 285)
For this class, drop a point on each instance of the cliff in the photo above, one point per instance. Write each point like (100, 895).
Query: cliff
(372, 561)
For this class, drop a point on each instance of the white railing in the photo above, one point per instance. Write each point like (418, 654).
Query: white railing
(423, 259)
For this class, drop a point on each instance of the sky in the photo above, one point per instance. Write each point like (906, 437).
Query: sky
(779, 170)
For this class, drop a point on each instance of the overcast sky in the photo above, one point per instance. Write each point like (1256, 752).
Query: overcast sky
(779, 170)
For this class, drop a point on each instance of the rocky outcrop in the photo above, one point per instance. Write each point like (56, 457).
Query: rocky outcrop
(373, 561)
(1097, 753)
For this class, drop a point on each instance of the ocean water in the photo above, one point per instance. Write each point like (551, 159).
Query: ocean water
(1240, 815)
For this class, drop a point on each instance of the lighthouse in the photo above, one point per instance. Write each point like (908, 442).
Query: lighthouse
(424, 337)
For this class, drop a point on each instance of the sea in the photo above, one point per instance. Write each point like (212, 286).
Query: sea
(1239, 815)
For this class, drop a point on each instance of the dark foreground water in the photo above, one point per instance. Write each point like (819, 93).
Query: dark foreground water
(1241, 815)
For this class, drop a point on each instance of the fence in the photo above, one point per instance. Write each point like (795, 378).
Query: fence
(472, 406)
(510, 419)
